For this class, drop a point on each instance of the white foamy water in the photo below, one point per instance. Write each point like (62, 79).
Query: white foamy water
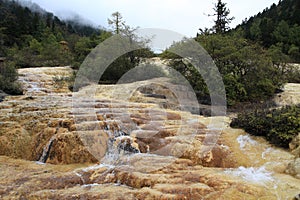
(256, 175)
(39, 163)
(267, 151)
(95, 167)
(34, 87)
(245, 140)
(213, 127)
(90, 185)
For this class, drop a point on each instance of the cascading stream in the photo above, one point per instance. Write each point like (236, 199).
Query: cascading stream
(119, 145)
(46, 150)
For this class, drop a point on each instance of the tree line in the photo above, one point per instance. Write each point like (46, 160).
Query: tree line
(277, 27)
(32, 37)
(39, 38)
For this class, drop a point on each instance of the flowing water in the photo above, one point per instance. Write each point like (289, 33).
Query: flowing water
(46, 150)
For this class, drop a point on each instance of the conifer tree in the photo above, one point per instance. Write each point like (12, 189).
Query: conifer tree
(223, 19)
(116, 22)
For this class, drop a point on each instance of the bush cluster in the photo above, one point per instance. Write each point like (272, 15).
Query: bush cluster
(8, 78)
(278, 126)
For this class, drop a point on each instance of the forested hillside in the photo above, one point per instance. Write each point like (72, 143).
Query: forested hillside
(277, 27)
(32, 37)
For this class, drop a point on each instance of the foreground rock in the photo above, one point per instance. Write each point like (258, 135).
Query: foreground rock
(29, 122)
(48, 125)
(125, 142)
(180, 180)
(2, 95)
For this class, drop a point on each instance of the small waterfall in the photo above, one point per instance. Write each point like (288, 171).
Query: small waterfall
(255, 175)
(120, 145)
(245, 141)
(259, 176)
(46, 150)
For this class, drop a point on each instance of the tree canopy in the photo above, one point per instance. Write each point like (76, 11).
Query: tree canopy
(277, 26)
(33, 37)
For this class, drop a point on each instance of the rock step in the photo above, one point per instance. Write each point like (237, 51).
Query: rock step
(91, 126)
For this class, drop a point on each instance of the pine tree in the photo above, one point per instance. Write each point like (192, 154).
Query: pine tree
(223, 19)
(116, 22)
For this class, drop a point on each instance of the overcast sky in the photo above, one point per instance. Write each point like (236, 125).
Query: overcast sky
(182, 16)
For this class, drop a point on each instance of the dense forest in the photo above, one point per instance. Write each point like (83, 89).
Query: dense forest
(32, 37)
(277, 28)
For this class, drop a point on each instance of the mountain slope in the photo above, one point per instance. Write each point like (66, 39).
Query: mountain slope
(33, 37)
(17, 21)
(276, 27)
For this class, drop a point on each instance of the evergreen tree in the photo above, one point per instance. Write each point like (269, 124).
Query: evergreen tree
(8, 78)
(116, 22)
(223, 19)
(129, 60)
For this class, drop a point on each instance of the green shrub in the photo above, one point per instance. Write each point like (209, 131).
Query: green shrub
(247, 70)
(8, 78)
(278, 126)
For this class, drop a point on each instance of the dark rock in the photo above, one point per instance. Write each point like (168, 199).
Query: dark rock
(127, 147)
(29, 98)
(2, 95)
(158, 96)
